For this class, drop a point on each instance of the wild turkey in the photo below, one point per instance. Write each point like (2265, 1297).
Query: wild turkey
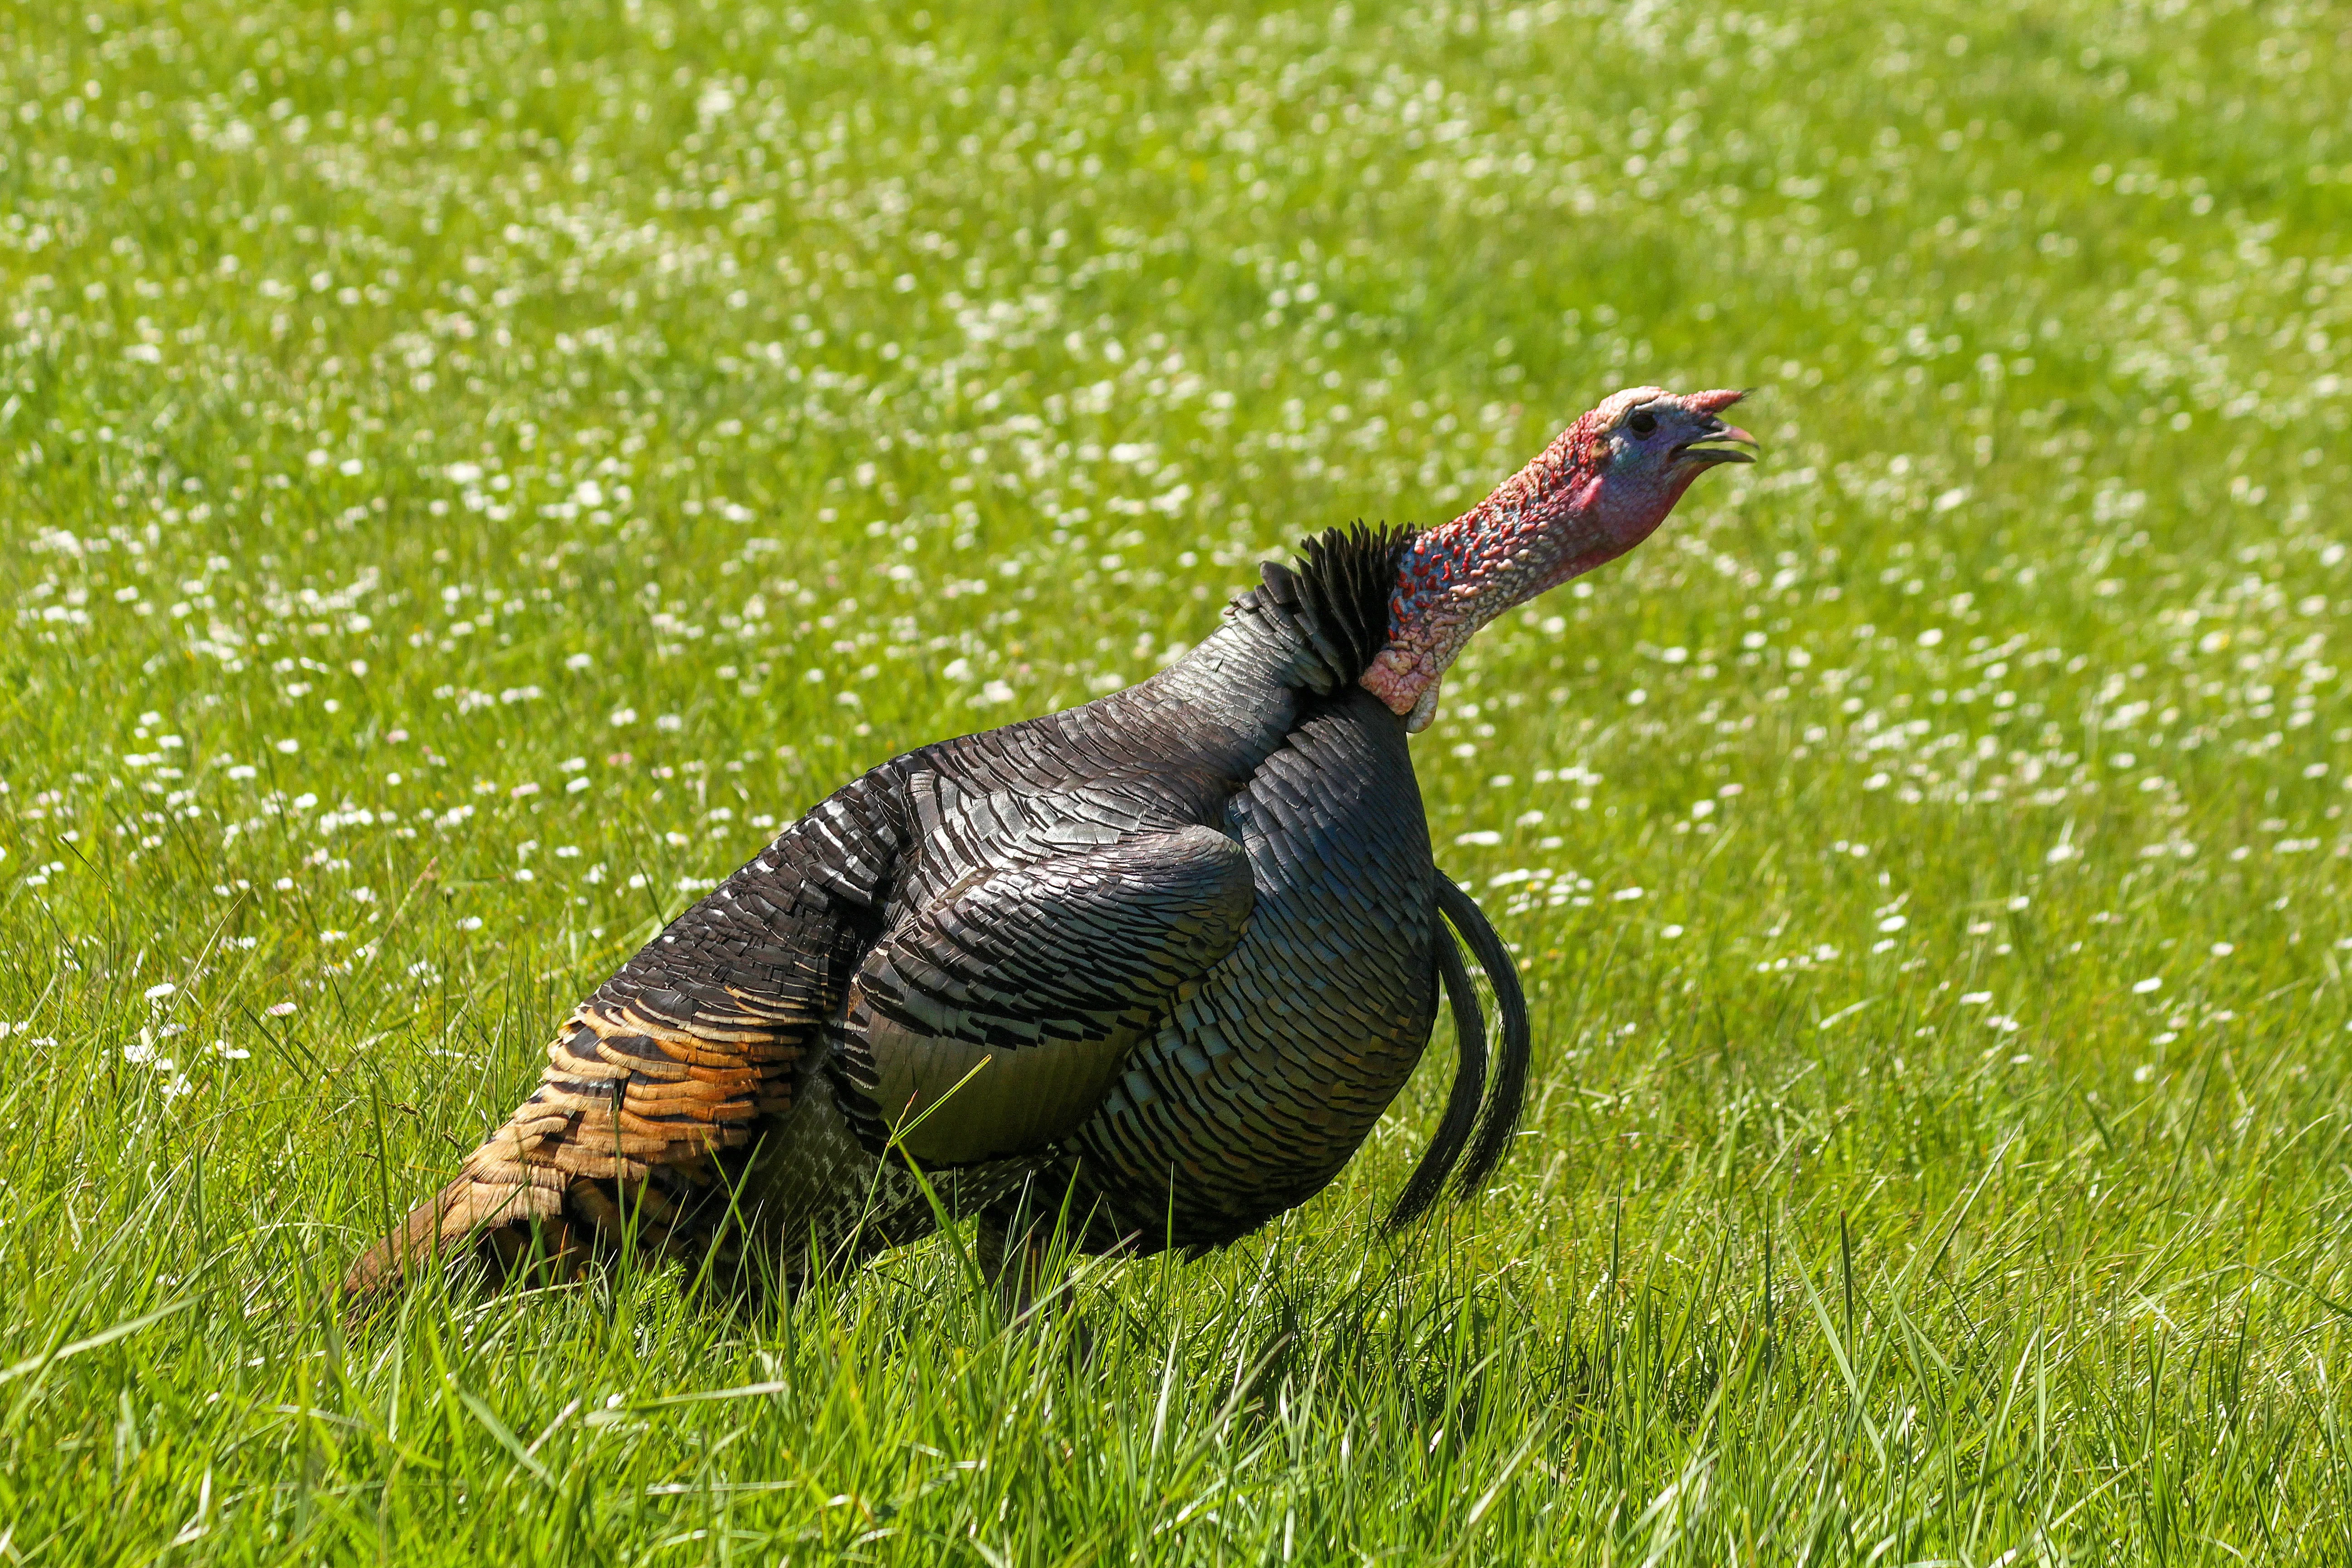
(1155, 965)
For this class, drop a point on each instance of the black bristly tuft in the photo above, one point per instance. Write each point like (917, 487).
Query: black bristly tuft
(1347, 580)
(1337, 592)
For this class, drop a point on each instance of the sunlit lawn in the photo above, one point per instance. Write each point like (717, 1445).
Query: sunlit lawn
(467, 476)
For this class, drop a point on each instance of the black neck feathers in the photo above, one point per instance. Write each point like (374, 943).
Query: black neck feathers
(1336, 594)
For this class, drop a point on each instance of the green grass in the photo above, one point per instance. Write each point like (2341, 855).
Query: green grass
(465, 476)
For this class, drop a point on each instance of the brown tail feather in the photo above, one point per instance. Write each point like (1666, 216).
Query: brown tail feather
(511, 1209)
(627, 1117)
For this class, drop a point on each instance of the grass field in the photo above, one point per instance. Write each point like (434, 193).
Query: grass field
(467, 475)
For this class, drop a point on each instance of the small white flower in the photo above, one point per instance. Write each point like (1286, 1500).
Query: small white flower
(2223, 949)
(1484, 838)
(278, 1009)
(2142, 987)
(162, 989)
(2143, 1072)
(1975, 998)
(290, 745)
(621, 717)
(471, 923)
(1670, 932)
(1892, 923)
(1626, 895)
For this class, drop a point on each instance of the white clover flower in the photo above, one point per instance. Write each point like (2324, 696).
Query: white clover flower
(160, 990)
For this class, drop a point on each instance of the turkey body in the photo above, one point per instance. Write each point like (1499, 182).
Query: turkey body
(1233, 1092)
(1159, 963)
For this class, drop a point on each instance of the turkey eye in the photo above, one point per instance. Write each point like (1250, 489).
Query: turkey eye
(1643, 422)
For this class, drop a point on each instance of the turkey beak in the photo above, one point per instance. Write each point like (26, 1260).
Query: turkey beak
(1698, 452)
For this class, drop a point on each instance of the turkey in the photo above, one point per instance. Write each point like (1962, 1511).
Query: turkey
(1151, 968)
